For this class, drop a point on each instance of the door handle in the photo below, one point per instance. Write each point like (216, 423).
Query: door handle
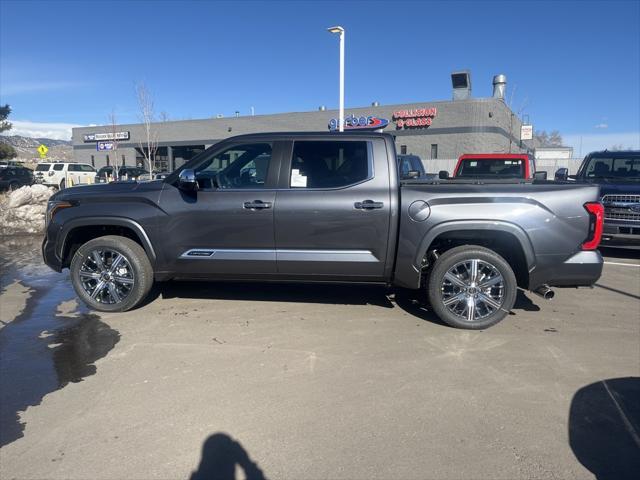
(368, 205)
(257, 204)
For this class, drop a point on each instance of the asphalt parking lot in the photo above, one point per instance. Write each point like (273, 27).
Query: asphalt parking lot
(281, 381)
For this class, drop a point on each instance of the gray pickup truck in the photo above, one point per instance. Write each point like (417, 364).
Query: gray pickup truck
(326, 207)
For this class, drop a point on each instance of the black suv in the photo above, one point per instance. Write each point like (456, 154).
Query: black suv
(124, 172)
(12, 178)
(618, 175)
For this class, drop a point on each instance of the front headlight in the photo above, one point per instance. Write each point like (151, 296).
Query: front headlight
(54, 206)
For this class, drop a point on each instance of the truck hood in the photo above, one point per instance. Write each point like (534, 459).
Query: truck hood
(626, 188)
(106, 189)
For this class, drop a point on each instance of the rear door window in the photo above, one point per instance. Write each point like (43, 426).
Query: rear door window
(329, 164)
(58, 166)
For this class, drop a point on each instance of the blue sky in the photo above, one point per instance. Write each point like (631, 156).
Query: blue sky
(571, 66)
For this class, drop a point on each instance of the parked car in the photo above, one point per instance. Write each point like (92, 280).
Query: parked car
(496, 165)
(12, 177)
(10, 163)
(618, 176)
(326, 207)
(64, 174)
(124, 172)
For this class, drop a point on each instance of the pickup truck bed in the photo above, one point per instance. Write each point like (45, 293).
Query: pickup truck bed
(318, 207)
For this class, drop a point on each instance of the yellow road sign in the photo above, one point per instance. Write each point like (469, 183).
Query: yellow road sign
(42, 150)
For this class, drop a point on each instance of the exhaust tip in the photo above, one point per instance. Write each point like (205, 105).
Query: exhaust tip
(545, 292)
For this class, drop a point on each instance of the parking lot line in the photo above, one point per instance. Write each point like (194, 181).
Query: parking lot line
(624, 264)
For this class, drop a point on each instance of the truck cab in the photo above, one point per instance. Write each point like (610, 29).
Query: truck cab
(495, 166)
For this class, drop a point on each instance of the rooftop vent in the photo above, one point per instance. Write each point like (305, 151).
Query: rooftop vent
(499, 86)
(461, 83)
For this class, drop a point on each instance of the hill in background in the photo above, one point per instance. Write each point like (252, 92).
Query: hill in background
(26, 147)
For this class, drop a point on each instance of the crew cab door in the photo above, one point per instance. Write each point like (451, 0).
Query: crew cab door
(333, 209)
(226, 226)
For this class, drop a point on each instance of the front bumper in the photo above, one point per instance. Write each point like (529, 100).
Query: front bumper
(582, 269)
(49, 254)
(622, 234)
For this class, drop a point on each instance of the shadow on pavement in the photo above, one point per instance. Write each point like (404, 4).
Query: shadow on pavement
(221, 455)
(621, 292)
(604, 428)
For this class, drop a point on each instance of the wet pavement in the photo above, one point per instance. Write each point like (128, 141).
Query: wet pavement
(43, 348)
(209, 379)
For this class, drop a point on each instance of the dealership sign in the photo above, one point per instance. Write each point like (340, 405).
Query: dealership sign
(526, 132)
(102, 146)
(415, 117)
(95, 137)
(351, 122)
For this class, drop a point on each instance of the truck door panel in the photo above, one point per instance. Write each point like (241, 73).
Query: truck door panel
(332, 212)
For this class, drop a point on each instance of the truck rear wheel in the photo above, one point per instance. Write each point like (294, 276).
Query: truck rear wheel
(111, 273)
(471, 287)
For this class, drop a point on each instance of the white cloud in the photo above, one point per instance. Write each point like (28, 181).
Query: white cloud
(601, 126)
(584, 143)
(56, 131)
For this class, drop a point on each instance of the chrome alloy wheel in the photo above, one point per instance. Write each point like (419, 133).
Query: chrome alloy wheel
(106, 276)
(473, 289)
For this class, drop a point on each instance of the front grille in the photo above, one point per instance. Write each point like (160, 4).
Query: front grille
(621, 199)
(617, 207)
(609, 215)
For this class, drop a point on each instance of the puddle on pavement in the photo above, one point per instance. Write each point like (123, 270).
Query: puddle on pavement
(43, 350)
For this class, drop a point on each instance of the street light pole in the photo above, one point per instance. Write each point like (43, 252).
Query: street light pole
(339, 30)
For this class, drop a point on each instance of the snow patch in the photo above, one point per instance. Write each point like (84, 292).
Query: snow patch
(23, 210)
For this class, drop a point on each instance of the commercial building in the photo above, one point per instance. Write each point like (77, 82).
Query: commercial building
(430, 129)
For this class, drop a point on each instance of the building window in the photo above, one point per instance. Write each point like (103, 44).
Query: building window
(123, 161)
(434, 150)
(107, 160)
(93, 160)
(403, 149)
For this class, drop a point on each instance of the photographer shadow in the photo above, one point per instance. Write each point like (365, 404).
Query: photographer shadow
(221, 457)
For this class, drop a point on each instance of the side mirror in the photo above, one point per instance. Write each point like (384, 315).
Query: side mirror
(443, 175)
(540, 176)
(562, 174)
(411, 174)
(187, 180)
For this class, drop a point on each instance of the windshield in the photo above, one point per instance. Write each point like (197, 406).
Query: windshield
(43, 167)
(491, 167)
(622, 168)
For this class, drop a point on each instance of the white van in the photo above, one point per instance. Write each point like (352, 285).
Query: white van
(63, 174)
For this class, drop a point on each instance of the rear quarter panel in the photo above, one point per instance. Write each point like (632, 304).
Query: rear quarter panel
(548, 220)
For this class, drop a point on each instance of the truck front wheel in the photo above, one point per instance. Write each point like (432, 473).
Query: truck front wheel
(471, 287)
(111, 273)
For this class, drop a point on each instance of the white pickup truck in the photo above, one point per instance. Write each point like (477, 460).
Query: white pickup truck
(62, 174)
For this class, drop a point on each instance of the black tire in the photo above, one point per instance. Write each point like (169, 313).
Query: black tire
(488, 314)
(137, 267)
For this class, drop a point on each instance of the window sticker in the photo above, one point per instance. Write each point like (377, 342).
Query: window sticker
(473, 164)
(298, 180)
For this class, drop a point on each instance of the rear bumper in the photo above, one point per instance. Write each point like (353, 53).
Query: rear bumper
(582, 269)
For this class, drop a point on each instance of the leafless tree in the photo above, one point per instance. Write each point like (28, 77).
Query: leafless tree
(553, 139)
(147, 117)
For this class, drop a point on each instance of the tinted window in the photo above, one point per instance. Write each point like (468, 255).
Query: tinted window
(43, 167)
(73, 168)
(328, 164)
(491, 167)
(58, 166)
(613, 167)
(85, 168)
(240, 166)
